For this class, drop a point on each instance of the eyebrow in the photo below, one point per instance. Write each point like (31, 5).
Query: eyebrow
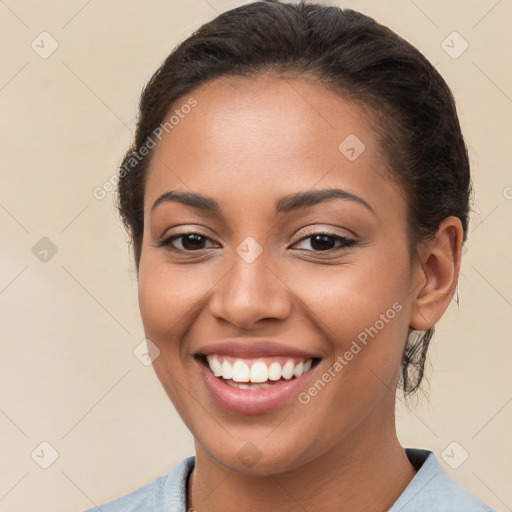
(286, 204)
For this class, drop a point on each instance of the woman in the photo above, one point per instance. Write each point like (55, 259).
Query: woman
(297, 196)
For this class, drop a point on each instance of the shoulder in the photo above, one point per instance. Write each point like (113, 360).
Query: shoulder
(433, 489)
(165, 493)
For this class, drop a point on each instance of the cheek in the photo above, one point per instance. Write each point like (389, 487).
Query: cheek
(361, 309)
(365, 322)
(166, 295)
(171, 300)
(164, 301)
(346, 299)
(162, 307)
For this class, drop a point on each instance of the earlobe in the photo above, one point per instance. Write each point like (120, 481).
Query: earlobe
(436, 274)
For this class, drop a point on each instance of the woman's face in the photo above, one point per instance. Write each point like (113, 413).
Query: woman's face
(273, 274)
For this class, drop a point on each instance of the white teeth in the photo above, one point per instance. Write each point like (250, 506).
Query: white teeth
(241, 372)
(274, 371)
(240, 385)
(259, 372)
(215, 366)
(299, 369)
(288, 369)
(227, 370)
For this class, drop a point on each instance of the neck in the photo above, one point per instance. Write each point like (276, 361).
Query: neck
(365, 474)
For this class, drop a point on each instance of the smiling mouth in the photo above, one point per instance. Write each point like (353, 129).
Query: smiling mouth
(256, 373)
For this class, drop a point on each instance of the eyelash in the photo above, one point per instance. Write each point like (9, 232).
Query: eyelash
(345, 242)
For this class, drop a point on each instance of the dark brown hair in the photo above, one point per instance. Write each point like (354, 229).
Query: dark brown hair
(351, 54)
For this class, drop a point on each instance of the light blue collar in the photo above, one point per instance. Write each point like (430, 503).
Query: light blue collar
(431, 489)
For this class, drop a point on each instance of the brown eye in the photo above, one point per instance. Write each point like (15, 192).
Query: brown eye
(189, 242)
(321, 242)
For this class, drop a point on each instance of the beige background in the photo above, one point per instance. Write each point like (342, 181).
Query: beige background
(70, 324)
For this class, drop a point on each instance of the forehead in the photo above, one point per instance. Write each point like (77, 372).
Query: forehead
(266, 137)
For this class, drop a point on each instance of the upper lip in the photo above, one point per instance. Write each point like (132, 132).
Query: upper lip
(254, 348)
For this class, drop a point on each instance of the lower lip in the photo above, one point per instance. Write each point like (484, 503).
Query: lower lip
(255, 401)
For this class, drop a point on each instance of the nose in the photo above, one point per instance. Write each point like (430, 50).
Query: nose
(250, 292)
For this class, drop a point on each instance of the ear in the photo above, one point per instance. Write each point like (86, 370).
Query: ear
(436, 274)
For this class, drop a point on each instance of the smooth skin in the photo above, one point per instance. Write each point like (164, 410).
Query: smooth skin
(247, 144)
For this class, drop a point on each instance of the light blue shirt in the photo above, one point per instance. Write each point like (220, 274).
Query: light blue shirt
(431, 490)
